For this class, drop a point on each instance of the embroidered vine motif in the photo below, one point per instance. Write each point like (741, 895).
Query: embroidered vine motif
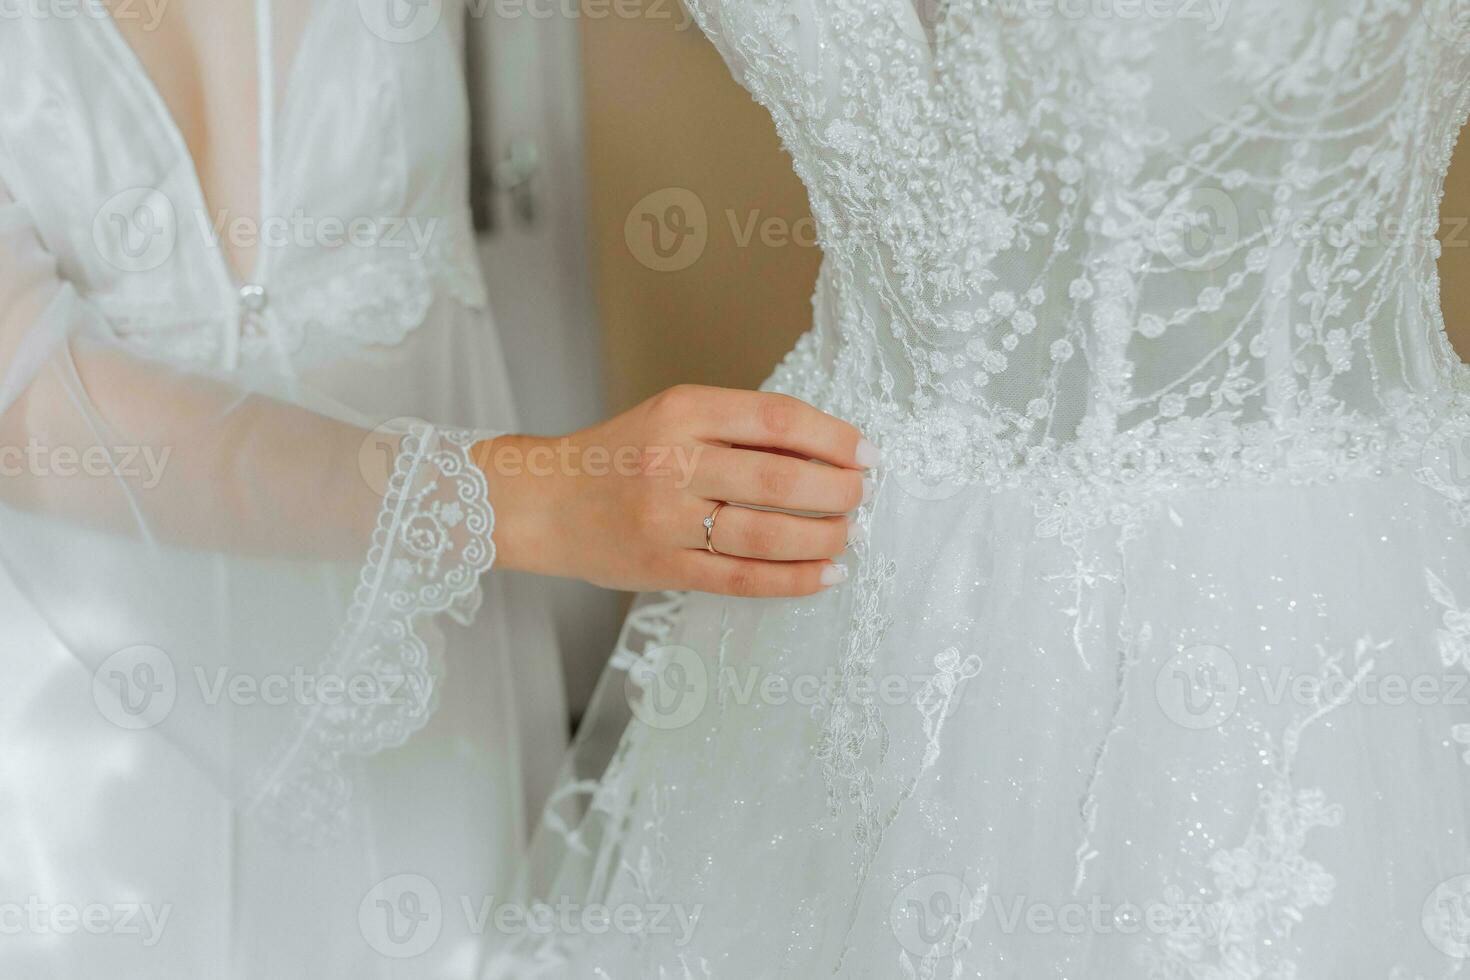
(1080, 581)
(1264, 886)
(1444, 467)
(1454, 638)
(1131, 648)
(648, 876)
(936, 698)
(650, 623)
(722, 686)
(582, 808)
(854, 738)
(648, 879)
(1453, 642)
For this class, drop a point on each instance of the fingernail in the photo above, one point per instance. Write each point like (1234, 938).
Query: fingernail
(868, 455)
(834, 575)
(853, 527)
(867, 490)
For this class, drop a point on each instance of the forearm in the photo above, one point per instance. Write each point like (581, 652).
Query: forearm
(133, 447)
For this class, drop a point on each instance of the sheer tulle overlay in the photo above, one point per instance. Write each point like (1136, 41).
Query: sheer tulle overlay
(1152, 661)
(1223, 747)
(241, 528)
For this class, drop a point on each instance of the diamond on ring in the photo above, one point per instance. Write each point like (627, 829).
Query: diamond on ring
(709, 529)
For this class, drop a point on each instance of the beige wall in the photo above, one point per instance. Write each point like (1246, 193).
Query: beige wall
(663, 112)
(1454, 264)
(665, 118)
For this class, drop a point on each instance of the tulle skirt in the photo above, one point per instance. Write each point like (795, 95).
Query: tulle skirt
(1223, 739)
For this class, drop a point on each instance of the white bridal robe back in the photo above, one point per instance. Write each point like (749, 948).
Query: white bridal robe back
(253, 671)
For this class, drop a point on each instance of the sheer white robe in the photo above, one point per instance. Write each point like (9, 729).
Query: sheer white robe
(250, 671)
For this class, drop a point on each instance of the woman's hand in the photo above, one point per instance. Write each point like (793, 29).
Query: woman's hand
(623, 504)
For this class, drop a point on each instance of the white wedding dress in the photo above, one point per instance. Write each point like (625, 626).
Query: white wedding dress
(244, 683)
(1153, 658)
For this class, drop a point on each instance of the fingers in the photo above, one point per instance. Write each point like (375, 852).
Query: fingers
(755, 418)
(753, 578)
(745, 476)
(744, 533)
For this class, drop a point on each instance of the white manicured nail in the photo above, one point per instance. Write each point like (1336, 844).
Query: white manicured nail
(853, 527)
(834, 574)
(867, 490)
(868, 455)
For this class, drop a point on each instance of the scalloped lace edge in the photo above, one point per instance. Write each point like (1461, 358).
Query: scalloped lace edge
(415, 570)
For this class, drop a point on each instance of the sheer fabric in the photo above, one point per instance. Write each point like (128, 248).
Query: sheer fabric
(1151, 661)
(241, 530)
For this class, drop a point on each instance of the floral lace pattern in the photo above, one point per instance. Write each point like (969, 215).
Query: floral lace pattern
(1266, 883)
(1037, 272)
(1454, 643)
(650, 624)
(854, 739)
(375, 301)
(936, 698)
(432, 543)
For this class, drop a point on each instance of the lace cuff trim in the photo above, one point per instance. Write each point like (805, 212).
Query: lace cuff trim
(431, 545)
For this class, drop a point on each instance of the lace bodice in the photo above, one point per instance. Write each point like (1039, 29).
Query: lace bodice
(363, 187)
(1171, 238)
